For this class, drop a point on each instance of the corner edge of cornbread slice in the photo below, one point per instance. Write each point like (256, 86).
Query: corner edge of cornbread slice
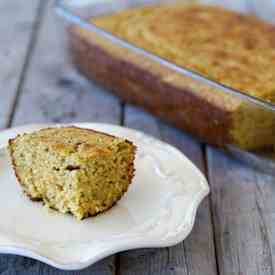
(73, 170)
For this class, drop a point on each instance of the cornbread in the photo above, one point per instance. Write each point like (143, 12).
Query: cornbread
(234, 49)
(74, 170)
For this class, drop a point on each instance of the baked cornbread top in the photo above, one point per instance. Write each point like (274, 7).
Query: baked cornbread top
(72, 140)
(236, 50)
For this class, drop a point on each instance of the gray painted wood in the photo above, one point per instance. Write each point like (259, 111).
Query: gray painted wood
(17, 19)
(243, 213)
(196, 254)
(242, 200)
(53, 92)
(242, 206)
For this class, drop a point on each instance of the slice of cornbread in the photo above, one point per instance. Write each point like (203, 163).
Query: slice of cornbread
(74, 170)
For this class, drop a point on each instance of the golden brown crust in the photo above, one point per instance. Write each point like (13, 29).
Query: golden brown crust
(131, 169)
(88, 129)
(198, 37)
(205, 112)
(142, 87)
(105, 134)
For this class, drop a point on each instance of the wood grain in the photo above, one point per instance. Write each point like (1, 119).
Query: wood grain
(53, 92)
(196, 254)
(242, 200)
(17, 21)
(242, 205)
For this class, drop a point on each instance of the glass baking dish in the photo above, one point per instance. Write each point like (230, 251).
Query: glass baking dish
(241, 124)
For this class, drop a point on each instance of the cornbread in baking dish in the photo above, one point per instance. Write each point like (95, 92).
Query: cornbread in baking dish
(234, 49)
(74, 170)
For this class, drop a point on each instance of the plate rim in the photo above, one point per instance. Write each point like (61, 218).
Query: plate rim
(118, 246)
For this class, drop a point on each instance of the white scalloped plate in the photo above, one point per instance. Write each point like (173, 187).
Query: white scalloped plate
(157, 211)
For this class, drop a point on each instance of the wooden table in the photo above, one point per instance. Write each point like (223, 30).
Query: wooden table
(234, 231)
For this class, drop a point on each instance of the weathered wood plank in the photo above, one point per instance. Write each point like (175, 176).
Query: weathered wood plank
(196, 254)
(17, 19)
(243, 205)
(52, 92)
(16, 265)
(243, 212)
